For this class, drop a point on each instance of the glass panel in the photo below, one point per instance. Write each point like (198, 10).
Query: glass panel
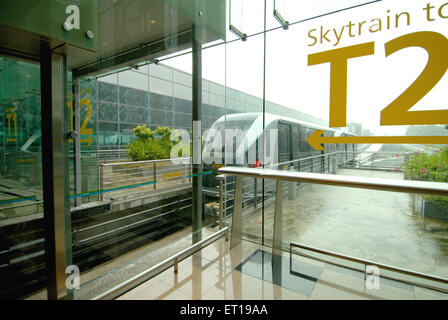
(242, 127)
(391, 232)
(135, 201)
(22, 229)
(134, 215)
(246, 16)
(390, 228)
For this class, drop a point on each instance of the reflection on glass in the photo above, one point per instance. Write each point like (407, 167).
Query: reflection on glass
(22, 252)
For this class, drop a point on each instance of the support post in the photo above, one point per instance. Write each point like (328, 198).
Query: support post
(221, 197)
(197, 133)
(176, 265)
(255, 193)
(155, 174)
(55, 170)
(101, 181)
(237, 218)
(292, 186)
(335, 164)
(277, 235)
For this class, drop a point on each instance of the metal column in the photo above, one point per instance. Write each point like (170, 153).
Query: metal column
(197, 133)
(55, 170)
(237, 219)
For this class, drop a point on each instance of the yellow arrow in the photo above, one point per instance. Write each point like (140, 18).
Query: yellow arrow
(88, 140)
(316, 140)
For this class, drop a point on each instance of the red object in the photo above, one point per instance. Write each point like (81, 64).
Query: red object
(255, 165)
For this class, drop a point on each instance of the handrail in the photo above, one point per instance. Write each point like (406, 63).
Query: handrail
(419, 187)
(367, 262)
(153, 271)
(21, 205)
(306, 158)
(142, 162)
(406, 186)
(338, 153)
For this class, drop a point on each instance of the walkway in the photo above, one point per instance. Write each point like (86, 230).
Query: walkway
(211, 274)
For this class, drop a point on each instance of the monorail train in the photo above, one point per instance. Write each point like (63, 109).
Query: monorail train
(245, 144)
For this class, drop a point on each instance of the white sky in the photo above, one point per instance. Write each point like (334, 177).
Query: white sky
(373, 81)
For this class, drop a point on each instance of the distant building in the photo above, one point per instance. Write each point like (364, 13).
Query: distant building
(158, 95)
(355, 128)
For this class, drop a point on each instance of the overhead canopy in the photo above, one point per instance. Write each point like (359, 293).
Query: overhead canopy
(111, 33)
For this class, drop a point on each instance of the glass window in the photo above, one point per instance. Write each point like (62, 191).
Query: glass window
(22, 236)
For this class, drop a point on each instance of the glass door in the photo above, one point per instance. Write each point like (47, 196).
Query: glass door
(22, 229)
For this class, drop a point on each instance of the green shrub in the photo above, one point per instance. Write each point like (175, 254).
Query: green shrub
(140, 150)
(164, 134)
(151, 145)
(429, 167)
(143, 133)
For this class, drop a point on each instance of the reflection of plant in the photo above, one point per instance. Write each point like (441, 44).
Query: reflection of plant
(143, 133)
(429, 167)
(152, 145)
(139, 150)
(164, 133)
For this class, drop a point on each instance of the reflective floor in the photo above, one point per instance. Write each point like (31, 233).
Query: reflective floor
(247, 272)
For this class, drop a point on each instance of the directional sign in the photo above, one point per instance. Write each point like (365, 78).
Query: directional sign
(88, 140)
(399, 112)
(316, 140)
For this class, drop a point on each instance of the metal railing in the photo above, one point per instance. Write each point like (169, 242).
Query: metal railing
(160, 267)
(127, 178)
(112, 155)
(417, 187)
(319, 164)
(367, 263)
(19, 206)
(252, 192)
(391, 161)
(324, 163)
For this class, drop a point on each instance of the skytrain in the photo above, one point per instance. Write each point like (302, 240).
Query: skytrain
(239, 140)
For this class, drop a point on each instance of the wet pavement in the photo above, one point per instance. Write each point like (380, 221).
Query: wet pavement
(378, 226)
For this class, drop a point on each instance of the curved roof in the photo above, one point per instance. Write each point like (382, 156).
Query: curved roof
(269, 119)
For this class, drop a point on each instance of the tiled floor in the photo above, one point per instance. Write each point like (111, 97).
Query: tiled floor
(245, 272)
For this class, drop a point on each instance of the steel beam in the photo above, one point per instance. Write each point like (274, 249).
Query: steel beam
(197, 133)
